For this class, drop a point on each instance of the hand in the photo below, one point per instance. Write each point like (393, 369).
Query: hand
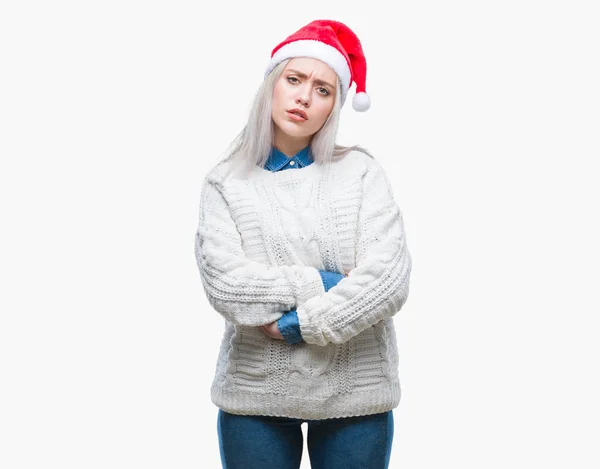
(272, 330)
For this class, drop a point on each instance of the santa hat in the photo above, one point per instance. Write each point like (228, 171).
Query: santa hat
(335, 44)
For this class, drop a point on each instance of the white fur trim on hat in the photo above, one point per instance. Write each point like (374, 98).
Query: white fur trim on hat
(316, 50)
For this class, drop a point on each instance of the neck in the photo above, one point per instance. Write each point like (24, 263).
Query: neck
(290, 146)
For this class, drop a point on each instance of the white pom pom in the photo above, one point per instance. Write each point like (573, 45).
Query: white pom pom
(361, 102)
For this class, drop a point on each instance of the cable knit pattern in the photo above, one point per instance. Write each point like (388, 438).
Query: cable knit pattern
(378, 287)
(260, 245)
(244, 291)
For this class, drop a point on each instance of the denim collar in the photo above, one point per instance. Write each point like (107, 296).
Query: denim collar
(278, 160)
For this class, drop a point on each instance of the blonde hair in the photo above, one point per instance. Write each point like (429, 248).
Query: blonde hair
(253, 144)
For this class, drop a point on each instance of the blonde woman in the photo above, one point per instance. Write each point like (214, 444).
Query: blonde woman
(301, 248)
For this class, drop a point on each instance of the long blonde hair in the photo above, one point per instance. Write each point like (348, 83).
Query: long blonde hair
(253, 144)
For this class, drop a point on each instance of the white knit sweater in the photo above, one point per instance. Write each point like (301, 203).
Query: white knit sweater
(259, 246)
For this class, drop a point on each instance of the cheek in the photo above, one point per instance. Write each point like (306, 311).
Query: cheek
(324, 111)
(275, 97)
(276, 101)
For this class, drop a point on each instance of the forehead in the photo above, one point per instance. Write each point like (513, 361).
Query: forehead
(309, 65)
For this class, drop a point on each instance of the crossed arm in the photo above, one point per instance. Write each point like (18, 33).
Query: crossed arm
(244, 291)
(320, 307)
(289, 326)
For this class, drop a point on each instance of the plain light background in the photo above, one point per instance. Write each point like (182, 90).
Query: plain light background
(485, 116)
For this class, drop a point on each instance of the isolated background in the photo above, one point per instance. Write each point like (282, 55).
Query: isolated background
(485, 115)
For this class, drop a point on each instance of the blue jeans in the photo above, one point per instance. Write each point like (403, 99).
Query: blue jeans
(262, 442)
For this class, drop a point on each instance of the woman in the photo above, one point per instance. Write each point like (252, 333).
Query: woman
(301, 248)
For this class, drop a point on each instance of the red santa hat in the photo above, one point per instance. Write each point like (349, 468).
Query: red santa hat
(335, 44)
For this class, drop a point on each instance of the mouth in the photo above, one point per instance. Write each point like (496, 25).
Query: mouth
(297, 114)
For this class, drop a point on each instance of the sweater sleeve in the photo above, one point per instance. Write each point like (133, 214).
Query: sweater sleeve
(288, 323)
(378, 285)
(244, 291)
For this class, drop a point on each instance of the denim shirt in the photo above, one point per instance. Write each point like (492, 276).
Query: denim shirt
(288, 324)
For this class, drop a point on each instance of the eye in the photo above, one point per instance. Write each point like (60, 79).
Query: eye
(322, 91)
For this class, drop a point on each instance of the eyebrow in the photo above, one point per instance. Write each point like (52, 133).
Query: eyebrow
(304, 75)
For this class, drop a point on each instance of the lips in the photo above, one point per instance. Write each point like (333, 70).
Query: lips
(298, 112)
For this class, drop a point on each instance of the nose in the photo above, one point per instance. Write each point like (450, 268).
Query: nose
(303, 97)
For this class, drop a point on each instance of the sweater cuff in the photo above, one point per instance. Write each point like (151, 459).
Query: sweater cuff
(290, 327)
(311, 286)
(330, 279)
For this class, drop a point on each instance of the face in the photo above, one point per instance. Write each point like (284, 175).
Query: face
(307, 85)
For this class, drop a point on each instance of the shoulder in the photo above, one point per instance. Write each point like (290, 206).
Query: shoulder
(358, 164)
(374, 179)
(219, 173)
